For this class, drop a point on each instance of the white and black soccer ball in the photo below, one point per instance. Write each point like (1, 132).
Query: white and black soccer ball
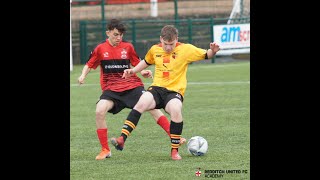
(197, 146)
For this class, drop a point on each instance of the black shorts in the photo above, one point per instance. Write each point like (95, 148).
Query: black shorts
(125, 99)
(162, 96)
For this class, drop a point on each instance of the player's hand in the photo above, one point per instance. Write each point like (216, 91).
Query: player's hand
(214, 47)
(127, 73)
(81, 80)
(146, 73)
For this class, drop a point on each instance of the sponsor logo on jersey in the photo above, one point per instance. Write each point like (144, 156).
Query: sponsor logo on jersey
(115, 66)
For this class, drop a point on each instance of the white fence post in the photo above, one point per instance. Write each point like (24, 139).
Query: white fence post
(71, 59)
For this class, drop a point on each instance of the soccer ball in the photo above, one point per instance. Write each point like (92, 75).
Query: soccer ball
(197, 146)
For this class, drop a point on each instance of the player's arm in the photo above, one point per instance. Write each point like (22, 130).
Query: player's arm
(214, 48)
(84, 73)
(138, 68)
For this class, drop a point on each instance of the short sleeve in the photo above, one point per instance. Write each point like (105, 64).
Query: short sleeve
(195, 53)
(149, 56)
(134, 58)
(93, 61)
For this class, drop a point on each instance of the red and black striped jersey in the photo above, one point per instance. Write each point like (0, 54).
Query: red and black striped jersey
(113, 61)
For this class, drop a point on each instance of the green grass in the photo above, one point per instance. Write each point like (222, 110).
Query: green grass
(216, 106)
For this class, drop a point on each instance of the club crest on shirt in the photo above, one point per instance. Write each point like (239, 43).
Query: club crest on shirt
(124, 54)
(174, 55)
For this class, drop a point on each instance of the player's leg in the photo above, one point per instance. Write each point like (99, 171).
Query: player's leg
(103, 106)
(163, 122)
(145, 103)
(174, 108)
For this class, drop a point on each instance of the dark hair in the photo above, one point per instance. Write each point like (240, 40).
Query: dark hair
(116, 24)
(169, 33)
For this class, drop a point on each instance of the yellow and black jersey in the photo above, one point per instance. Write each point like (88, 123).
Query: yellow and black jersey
(170, 69)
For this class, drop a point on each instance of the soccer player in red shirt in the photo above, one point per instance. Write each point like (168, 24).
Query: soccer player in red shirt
(114, 56)
(171, 59)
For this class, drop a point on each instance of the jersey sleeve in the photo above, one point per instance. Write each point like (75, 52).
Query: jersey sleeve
(149, 56)
(195, 53)
(134, 58)
(93, 61)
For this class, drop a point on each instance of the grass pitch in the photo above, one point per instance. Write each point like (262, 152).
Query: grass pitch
(216, 107)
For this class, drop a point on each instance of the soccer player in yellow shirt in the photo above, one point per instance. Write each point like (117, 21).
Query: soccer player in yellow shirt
(113, 56)
(171, 59)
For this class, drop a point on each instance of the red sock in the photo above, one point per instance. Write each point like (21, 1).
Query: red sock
(164, 123)
(103, 138)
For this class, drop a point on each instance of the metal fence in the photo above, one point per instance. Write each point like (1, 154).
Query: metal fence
(143, 34)
(166, 9)
(193, 19)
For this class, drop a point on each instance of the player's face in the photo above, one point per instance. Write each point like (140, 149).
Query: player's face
(115, 37)
(168, 46)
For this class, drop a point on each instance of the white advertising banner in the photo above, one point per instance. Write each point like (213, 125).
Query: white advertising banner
(232, 38)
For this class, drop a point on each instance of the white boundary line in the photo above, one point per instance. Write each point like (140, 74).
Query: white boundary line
(220, 65)
(189, 83)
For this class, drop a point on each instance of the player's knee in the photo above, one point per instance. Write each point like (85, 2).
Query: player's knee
(141, 106)
(99, 113)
